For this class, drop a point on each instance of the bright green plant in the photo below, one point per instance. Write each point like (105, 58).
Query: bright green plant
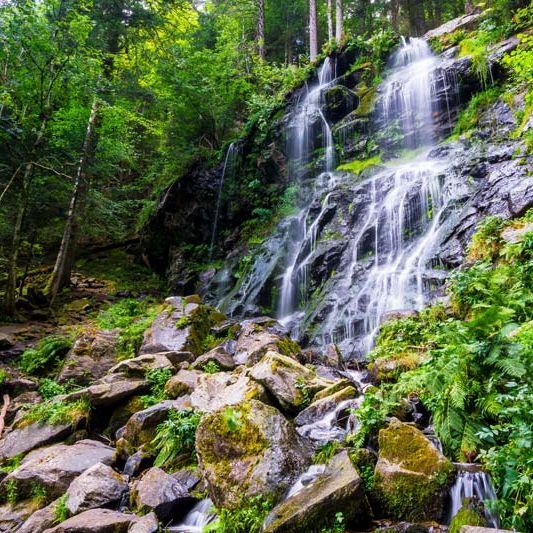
(48, 388)
(305, 392)
(175, 437)
(338, 526)
(233, 419)
(38, 495)
(357, 167)
(325, 453)
(11, 464)
(46, 356)
(247, 518)
(469, 117)
(56, 412)
(61, 512)
(211, 367)
(12, 491)
(157, 379)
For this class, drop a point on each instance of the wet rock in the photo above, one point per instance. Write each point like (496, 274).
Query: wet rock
(411, 476)
(96, 521)
(513, 235)
(319, 408)
(339, 385)
(219, 356)
(215, 391)
(122, 413)
(184, 382)
(142, 425)
(254, 342)
(338, 490)
(161, 493)
(113, 389)
(146, 524)
(182, 327)
(91, 356)
(292, 384)
(138, 366)
(98, 486)
(55, 467)
(248, 450)
(466, 22)
(339, 102)
(24, 439)
(12, 516)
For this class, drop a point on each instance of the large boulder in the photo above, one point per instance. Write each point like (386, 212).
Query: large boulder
(99, 486)
(411, 477)
(41, 520)
(96, 521)
(161, 493)
(338, 490)
(93, 354)
(254, 341)
(55, 467)
(145, 524)
(26, 438)
(291, 383)
(139, 366)
(219, 356)
(215, 391)
(181, 327)
(248, 450)
(319, 408)
(141, 427)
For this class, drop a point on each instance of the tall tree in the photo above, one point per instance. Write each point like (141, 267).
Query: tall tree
(67, 251)
(313, 30)
(261, 28)
(330, 20)
(339, 20)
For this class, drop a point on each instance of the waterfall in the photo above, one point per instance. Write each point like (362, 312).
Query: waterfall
(200, 516)
(387, 261)
(301, 142)
(228, 169)
(473, 485)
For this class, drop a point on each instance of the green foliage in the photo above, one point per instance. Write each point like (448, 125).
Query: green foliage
(247, 518)
(211, 367)
(325, 453)
(233, 419)
(357, 167)
(3, 376)
(55, 412)
(12, 492)
(486, 242)
(338, 526)
(38, 496)
(46, 356)
(520, 61)
(475, 377)
(175, 437)
(157, 379)
(132, 318)
(48, 388)
(305, 392)
(469, 117)
(61, 512)
(8, 465)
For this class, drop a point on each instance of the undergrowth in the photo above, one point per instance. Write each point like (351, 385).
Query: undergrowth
(247, 518)
(46, 356)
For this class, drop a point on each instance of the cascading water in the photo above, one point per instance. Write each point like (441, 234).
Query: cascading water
(471, 486)
(198, 518)
(230, 163)
(388, 263)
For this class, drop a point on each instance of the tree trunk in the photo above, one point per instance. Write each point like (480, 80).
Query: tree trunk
(313, 30)
(67, 251)
(10, 296)
(339, 21)
(261, 28)
(394, 12)
(330, 20)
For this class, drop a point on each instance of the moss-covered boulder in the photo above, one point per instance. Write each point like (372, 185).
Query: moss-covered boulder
(248, 450)
(184, 382)
(183, 326)
(467, 516)
(292, 384)
(338, 490)
(254, 341)
(411, 476)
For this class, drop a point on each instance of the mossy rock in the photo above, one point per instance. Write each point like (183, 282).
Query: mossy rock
(248, 450)
(466, 517)
(411, 476)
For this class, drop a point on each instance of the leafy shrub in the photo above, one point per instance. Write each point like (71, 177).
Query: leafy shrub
(338, 526)
(175, 437)
(61, 512)
(357, 167)
(157, 379)
(46, 356)
(11, 464)
(486, 242)
(325, 453)
(132, 318)
(233, 419)
(247, 518)
(211, 367)
(48, 388)
(56, 412)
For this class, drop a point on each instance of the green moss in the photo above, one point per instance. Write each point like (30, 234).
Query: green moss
(466, 517)
(202, 319)
(357, 167)
(61, 512)
(469, 117)
(288, 347)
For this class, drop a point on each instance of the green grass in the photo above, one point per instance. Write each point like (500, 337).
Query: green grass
(358, 166)
(56, 412)
(469, 117)
(46, 356)
(157, 379)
